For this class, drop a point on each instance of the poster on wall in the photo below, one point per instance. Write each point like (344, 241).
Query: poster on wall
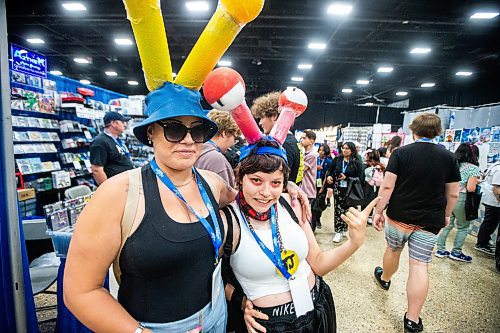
(465, 135)
(495, 134)
(485, 134)
(494, 153)
(449, 135)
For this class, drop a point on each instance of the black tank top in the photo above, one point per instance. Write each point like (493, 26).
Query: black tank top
(166, 266)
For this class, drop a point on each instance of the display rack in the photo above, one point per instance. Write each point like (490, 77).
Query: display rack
(52, 137)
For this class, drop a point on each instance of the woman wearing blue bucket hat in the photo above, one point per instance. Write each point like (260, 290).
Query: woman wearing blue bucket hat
(168, 263)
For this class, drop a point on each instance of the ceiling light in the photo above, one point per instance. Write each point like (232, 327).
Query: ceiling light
(225, 63)
(317, 46)
(55, 72)
(483, 16)
(74, 6)
(35, 40)
(347, 90)
(111, 73)
(405, 22)
(463, 73)
(362, 82)
(133, 83)
(84, 81)
(339, 9)
(385, 69)
(123, 41)
(428, 85)
(297, 78)
(174, 75)
(305, 66)
(81, 61)
(401, 93)
(420, 50)
(197, 6)
(369, 104)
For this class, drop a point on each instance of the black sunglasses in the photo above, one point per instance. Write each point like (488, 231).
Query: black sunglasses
(176, 132)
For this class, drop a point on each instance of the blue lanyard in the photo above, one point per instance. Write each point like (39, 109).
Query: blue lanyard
(425, 140)
(344, 166)
(120, 144)
(213, 144)
(215, 236)
(275, 256)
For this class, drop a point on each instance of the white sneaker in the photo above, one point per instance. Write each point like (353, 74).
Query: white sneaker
(336, 237)
(345, 233)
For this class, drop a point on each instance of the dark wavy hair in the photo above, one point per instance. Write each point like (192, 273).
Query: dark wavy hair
(467, 153)
(262, 163)
(326, 149)
(352, 148)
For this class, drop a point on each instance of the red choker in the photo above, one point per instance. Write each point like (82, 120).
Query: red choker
(250, 212)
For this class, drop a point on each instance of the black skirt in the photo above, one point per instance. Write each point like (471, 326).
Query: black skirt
(321, 319)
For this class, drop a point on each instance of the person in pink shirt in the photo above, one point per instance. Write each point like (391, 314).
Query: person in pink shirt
(310, 165)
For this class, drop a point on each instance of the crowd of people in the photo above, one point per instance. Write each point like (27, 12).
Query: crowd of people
(203, 240)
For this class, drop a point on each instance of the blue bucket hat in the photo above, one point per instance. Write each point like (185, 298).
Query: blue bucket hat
(169, 101)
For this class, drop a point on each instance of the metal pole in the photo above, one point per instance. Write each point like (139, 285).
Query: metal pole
(8, 174)
(378, 113)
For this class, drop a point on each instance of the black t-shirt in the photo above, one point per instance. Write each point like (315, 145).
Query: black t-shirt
(423, 169)
(105, 152)
(292, 155)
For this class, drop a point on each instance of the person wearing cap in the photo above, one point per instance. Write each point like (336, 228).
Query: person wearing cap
(170, 277)
(109, 155)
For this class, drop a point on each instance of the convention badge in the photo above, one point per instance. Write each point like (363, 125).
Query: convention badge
(301, 295)
(216, 283)
(343, 183)
(290, 260)
(319, 182)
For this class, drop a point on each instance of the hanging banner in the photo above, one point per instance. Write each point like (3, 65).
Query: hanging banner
(27, 62)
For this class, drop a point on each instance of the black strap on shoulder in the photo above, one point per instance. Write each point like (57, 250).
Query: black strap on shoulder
(289, 209)
(228, 246)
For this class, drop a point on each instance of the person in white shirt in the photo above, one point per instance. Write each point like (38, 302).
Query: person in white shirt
(491, 201)
(275, 256)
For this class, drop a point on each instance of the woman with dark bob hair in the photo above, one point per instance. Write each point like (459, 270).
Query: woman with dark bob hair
(468, 159)
(275, 257)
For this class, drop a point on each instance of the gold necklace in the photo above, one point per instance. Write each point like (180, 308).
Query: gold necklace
(185, 184)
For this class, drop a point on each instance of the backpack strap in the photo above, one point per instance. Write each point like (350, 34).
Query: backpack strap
(131, 205)
(228, 246)
(289, 209)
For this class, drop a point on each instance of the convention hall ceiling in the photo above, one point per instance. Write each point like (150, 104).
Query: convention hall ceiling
(268, 51)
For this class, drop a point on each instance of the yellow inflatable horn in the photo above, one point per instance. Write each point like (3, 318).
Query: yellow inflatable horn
(227, 21)
(149, 31)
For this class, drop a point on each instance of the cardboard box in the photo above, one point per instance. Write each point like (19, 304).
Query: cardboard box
(25, 194)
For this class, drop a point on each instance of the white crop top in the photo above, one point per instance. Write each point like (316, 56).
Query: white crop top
(254, 270)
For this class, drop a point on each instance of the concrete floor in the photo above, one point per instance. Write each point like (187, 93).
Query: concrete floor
(462, 298)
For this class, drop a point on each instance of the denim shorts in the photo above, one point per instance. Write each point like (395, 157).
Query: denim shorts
(214, 319)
